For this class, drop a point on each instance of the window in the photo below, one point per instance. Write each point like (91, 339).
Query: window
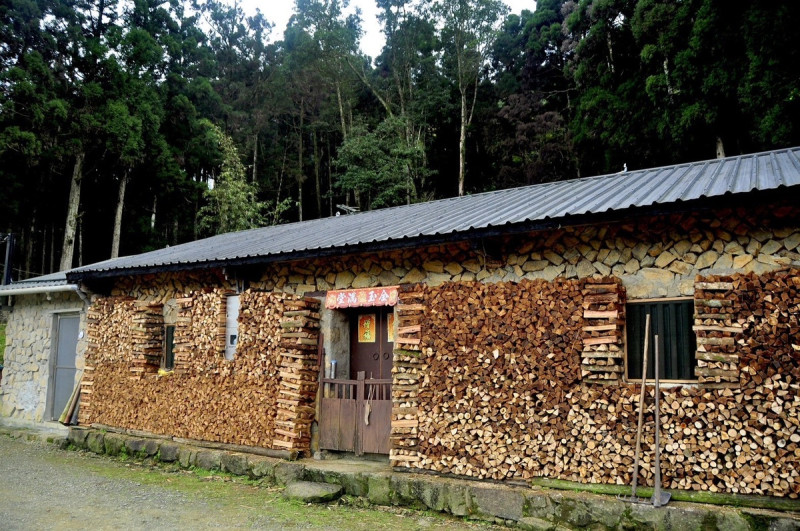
(168, 362)
(672, 321)
(231, 326)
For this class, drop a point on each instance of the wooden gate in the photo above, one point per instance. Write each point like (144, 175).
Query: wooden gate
(355, 415)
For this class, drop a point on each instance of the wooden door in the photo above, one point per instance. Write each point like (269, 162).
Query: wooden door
(371, 342)
(356, 414)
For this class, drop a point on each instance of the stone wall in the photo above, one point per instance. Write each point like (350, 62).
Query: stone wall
(654, 256)
(28, 355)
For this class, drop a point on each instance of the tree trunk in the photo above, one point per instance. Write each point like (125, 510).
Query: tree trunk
(462, 145)
(720, 148)
(68, 248)
(341, 111)
(52, 249)
(123, 184)
(29, 247)
(317, 177)
(300, 177)
(80, 242)
(255, 156)
(153, 214)
(44, 250)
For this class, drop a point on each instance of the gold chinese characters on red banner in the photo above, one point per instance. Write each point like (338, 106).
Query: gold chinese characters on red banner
(354, 298)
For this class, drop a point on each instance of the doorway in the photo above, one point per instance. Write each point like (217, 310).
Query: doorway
(62, 378)
(355, 413)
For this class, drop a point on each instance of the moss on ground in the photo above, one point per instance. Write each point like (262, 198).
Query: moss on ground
(254, 503)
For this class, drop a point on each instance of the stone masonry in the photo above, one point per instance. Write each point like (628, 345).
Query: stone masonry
(24, 388)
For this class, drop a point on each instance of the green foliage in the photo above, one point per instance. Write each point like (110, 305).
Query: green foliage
(232, 202)
(572, 87)
(379, 165)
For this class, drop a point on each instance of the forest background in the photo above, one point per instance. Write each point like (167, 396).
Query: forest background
(128, 125)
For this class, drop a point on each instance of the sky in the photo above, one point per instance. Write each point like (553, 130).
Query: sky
(279, 11)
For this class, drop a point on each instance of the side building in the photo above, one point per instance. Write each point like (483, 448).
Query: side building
(494, 336)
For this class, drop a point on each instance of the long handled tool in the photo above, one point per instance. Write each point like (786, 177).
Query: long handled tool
(632, 498)
(659, 497)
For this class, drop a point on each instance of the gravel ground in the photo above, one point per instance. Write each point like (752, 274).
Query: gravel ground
(42, 487)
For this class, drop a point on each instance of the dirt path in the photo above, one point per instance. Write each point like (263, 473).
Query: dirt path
(42, 487)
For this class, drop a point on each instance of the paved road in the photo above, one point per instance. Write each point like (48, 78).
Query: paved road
(42, 487)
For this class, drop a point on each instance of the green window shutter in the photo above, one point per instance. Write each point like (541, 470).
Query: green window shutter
(672, 322)
(169, 348)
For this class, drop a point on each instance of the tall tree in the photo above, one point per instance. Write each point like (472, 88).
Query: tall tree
(469, 28)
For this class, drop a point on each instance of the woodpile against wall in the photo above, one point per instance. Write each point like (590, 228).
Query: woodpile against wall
(200, 332)
(499, 360)
(407, 371)
(109, 331)
(299, 372)
(501, 394)
(207, 397)
(148, 337)
(603, 330)
(717, 313)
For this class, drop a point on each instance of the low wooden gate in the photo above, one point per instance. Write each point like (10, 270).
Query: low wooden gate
(356, 415)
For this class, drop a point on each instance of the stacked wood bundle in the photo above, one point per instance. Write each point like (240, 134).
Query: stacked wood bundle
(200, 332)
(110, 340)
(604, 330)
(147, 334)
(298, 372)
(407, 370)
(500, 359)
(716, 326)
(213, 399)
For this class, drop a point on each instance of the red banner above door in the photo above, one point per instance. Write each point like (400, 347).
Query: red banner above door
(354, 298)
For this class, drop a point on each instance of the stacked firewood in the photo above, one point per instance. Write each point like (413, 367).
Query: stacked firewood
(407, 370)
(148, 337)
(716, 325)
(266, 394)
(500, 359)
(110, 340)
(298, 373)
(604, 330)
(200, 332)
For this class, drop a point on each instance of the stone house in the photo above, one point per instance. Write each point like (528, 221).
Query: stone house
(494, 336)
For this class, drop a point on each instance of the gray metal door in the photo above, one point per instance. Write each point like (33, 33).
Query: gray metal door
(64, 370)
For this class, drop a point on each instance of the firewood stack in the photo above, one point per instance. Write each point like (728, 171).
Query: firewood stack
(200, 332)
(298, 374)
(604, 330)
(407, 369)
(148, 338)
(110, 340)
(716, 325)
(500, 360)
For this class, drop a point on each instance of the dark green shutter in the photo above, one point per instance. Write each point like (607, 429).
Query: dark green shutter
(169, 348)
(672, 322)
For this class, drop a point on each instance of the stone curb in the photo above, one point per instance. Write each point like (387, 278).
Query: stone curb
(527, 508)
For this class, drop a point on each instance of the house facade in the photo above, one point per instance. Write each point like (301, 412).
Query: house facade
(497, 336)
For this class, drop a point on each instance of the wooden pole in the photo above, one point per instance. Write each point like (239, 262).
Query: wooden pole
(641, 406)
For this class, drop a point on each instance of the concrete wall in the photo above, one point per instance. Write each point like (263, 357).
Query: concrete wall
(29, 354)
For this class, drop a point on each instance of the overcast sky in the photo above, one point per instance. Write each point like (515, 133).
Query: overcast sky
(279, 11)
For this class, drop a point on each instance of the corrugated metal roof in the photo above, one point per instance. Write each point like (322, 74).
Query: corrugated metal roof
(50, 281)
(551, 201)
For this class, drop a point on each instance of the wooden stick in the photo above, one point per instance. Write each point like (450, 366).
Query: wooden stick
(641, 405)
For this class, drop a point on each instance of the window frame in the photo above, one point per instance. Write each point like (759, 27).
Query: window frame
(626, 378)
(169, 347)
